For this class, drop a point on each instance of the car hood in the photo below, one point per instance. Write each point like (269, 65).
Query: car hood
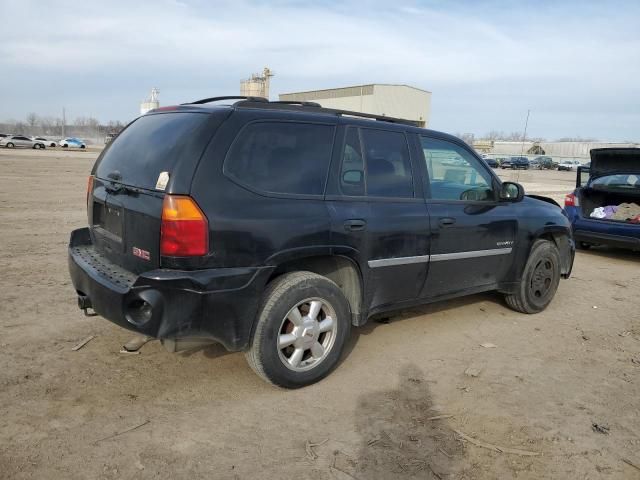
(609, 160)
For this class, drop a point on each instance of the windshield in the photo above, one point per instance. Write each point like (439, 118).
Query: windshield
(621, 181)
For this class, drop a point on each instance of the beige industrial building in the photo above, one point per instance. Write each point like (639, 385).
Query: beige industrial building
(558, 150)
(400, 101)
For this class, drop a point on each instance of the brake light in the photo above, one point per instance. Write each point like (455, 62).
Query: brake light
(184, 231)
(89, 188)
(570, 200)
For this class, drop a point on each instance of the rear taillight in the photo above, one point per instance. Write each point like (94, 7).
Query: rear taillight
(89, 188)
(570, 200)
(185, 230)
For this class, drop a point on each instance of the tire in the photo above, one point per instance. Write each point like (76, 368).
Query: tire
(52, 145)
(540, 279)
(65, 146)
(299, 292)
(10, 145)
(82, 146)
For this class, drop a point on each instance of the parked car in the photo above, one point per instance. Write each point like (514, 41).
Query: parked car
(46, 142)
(543, 163)
(20, 141)
(568, 165)
(72, 142)
(4, 135)
(231, 223)
(612, 179)
(492, 162)
(515, 162)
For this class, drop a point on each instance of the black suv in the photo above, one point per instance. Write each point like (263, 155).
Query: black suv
(273, 228)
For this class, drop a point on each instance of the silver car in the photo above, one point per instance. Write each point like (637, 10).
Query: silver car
(47, 142)
(17, 141)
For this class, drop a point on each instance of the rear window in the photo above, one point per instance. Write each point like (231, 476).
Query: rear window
(282, 157)
(151, 145)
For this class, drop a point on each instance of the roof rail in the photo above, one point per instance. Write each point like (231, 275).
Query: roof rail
(304, 107)
(231, 97)
(292, 102)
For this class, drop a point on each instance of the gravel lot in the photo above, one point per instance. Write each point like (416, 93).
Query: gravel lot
(96, 413)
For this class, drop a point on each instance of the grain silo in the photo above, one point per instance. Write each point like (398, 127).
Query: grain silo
(257, 85)
(151, 102)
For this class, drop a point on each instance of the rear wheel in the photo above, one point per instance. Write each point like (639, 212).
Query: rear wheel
(302, 326)
(82, 146)
(540, 279)
(10, 145)
(65, 145)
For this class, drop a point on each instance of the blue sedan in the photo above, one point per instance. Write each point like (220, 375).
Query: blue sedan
(604, 209)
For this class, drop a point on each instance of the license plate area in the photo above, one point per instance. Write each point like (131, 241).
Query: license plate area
(108, 221)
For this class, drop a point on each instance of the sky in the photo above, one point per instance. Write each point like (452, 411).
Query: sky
(574, 64)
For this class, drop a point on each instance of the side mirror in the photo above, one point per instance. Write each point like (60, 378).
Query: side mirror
(511, 192)
(352, 177)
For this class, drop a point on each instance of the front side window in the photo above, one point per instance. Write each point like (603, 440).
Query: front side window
(388, 164)
(454, 173)
(282, 157)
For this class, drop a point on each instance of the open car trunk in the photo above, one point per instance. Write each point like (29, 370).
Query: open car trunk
(591, 199)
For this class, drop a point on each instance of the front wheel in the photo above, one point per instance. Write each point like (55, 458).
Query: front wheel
(540, 279)
(82, 146)
(302, 326)
(10, 145)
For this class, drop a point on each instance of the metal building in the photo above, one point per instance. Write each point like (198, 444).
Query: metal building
(151, 102)
(401, 101)
(257, 85)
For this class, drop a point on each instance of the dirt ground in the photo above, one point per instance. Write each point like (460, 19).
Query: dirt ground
(96, 413)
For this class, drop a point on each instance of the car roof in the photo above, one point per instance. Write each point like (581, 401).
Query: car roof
(303, 112)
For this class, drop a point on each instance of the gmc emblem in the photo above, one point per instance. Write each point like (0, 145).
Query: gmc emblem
(143, 254)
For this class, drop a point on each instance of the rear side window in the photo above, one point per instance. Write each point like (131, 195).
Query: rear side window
(282, 157)
(388, 164)
(151, 145)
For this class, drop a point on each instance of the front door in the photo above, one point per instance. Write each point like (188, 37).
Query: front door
(378, 215)
(473, 234)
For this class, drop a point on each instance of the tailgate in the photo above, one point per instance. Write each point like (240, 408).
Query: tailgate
(156, 153)
(125, 225)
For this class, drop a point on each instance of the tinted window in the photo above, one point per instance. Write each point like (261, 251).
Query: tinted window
(151, 145)
(352, 171)
(454, 173)
(388, 164)
(281, 157)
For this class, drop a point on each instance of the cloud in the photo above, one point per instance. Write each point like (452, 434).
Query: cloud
(485, 62)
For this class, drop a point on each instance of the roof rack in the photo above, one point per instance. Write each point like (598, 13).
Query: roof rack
(292, 102)
(317, 108)
(231, 97)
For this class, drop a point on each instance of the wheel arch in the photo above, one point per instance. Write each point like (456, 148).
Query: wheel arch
(563, 239)
(341, 270)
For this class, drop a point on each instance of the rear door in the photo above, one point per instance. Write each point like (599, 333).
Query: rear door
(378, 216)
(473, 234)
(154, 155)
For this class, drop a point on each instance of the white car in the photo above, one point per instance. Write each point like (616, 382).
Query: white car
(569, 165)
(72, 142)
(46, 141)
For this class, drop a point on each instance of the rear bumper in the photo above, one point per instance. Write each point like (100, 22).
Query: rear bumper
(219, 304)
(619, 241)
(603, 232)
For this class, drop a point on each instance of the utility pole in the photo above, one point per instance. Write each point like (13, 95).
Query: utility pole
(64, 121)
(524, 136)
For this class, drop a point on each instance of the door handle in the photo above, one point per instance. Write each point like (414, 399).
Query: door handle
(354, 225)
(447, 221)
